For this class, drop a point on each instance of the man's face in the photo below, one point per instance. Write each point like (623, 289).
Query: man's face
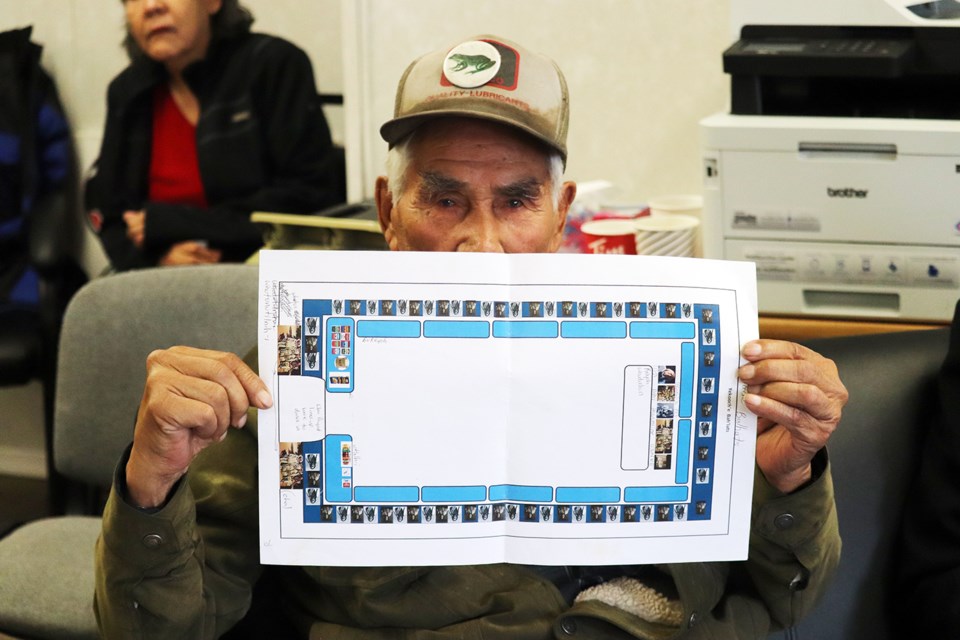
(474, 186)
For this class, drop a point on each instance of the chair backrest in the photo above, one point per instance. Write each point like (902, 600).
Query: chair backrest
(874, 455)
(110, 327)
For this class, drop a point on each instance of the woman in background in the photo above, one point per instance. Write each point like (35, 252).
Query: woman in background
(207, 124)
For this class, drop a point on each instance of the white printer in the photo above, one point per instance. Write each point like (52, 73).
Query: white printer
(838, 169)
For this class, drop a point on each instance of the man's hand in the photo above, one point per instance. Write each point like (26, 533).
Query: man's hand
(797, 396)
(191, 398)
(189, 252)
(136, 222)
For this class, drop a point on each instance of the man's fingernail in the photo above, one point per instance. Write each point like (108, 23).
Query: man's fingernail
(264, 400)
(223, 436)
(242, 421)
(752, 349)
(747, 372)
(752, 399)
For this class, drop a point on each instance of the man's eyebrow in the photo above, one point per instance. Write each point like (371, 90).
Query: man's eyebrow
(432, 183)
(528, 188)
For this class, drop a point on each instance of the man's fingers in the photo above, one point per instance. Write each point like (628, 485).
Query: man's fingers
(243, 387)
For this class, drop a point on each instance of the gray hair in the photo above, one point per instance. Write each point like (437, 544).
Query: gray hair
(399, 158)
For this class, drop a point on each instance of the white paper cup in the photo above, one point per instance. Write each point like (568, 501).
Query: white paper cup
(672, 235)
(689, 205)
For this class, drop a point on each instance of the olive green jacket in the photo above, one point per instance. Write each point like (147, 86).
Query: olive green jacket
(188, 572)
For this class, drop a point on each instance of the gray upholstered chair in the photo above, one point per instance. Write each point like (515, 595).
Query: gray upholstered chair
(46, 566)
(874, 455)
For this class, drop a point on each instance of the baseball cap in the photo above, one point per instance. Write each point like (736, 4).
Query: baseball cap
(485, 77)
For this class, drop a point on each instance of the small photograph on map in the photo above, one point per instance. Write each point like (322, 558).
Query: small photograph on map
(387, 308)
(530, 513)
(499, 512)
(470, 513)
(385, 516)
(291, 465)
(313, 478)
(706, 316)
(709, 357)
(416, 307)
(666, 393)
(311, 325)
(703, 453)
(328, 513)
(356, 514)
(646, 512)
(701, 507)
(709, 336)
(706, 409)
(568, 309)
(705, 429)
(442, 514)
(670, 310)
(664, 410)
(413, 514)
(313, 496)
(702, 475)
(706, 385)
(499, 309)
(597, 513)
(662, 460)
(443, 307)
(562, 513)
(629, 513)
(634, 309)
(664, 512)
(666, 374)
(288, 350)
(680, 512)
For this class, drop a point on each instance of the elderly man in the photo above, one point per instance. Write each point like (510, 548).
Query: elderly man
(476, 159)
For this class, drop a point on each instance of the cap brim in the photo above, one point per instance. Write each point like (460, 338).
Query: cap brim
(395, 130)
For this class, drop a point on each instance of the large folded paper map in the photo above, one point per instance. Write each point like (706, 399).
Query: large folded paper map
(539, 409)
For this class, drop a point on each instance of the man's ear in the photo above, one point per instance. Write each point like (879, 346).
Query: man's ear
(385, 212)
(567, 194)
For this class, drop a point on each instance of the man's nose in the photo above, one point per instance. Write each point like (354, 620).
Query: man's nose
(482, 233)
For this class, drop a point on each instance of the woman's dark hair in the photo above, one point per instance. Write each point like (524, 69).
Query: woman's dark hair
(232, 19)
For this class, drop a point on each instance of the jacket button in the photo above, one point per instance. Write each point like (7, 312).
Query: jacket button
(783, 521)
(152, 540)
(693, 620)
(569, 626)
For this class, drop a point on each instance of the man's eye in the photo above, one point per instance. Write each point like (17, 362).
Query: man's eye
(447, 202)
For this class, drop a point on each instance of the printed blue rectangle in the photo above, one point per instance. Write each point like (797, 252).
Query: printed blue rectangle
(687, 353)
(663, 330)
(571, 329)
(333, 459)
(456, 329)
(455, 494)
(524, 329)
(388, 329)
(386, 494)
(588, 495)
(655, 494)
(520, 493)
(683, 451)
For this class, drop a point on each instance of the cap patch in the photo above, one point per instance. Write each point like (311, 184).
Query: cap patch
(479, 62)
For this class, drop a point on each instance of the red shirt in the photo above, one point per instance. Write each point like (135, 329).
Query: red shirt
(174, 170)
